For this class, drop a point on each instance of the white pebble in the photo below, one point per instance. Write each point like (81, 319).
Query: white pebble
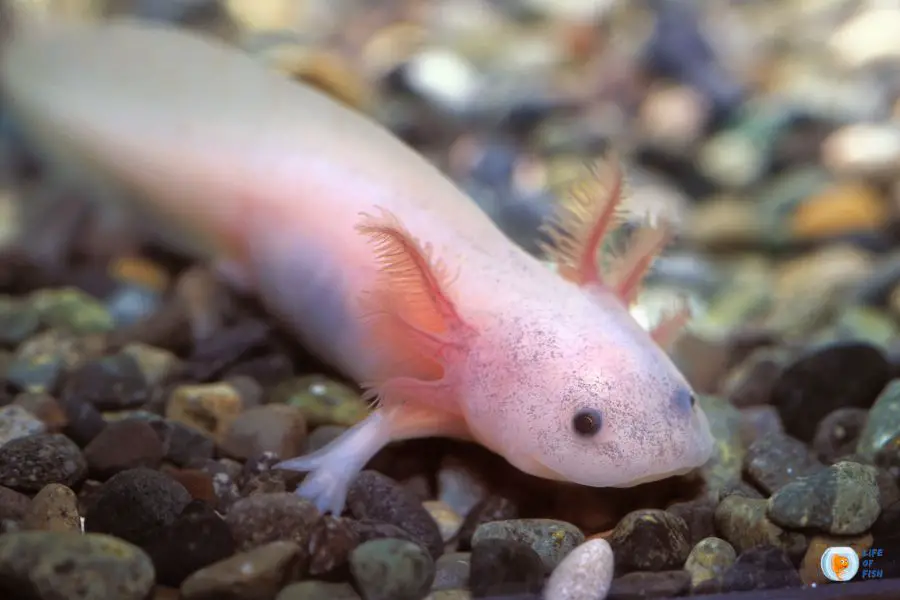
(868, 38)
(863, 149)
(444, 77)
(586, 573)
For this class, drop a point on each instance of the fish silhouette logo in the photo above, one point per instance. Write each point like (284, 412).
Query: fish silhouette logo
(840, 563)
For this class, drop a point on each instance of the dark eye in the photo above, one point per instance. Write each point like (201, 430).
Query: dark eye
(693, 400)
(587, 422)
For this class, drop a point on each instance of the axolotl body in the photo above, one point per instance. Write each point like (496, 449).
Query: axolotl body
(372, 257)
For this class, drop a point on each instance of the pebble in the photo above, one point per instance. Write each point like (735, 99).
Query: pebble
(724, 467)
(209, 407)
(330, 545)
(492, 508)
(50, 565)
(155, 364)
(257, 573)
(776, 459)
(709, 560)
(323, 435)
(840, 375)
(458, 487)
(761, 568)
(838, 434)
(265, 518)
(452, 571)
(552, 540)
(811, 566)
(446, 518)
(645, 584)
(743, 523)
(758, 421)
(322, 401)
(698, 515)
(586, 573)
(18, 321)
(846, 207)
(27, 464)
(863, 150)
(71, 310)
(16, 422)
(376, 497)
(318, 590)
(391, 569)
(879, 441)
(276, 428)
(650, 540)
(13, 505)
(867, 37)
(136, 505)
(108, 383)
(503, 567)
(197, 538)
(842, 499)
(54, 508)
(123, 445)
(46, 408)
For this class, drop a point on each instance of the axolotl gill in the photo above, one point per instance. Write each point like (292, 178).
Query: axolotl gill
(372, 257)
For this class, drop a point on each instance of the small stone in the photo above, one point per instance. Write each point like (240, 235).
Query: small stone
(844, 208)
(839, 375)
(750, 384)
(54, 508)
(447, 520)
(492, 508)
(640, 584)
(879, 441)
(16, 422)
(777, 459)
(155, 364)
(838, 434)
(257, 573)
(136, 505)
(28, 464)
(35, 370)
(123, 445)
(318, 590)
(322, 436)
(330, 544)
(500, 567)
(44, 407)
(862, 150)
(85, 421)
(551, 540)
(108, 383)
(197, 538)
(13, 505)
(182, 444)
(758, 421)
(744, 524)
(322, 401)
(867, 37)
(452, 571)
(811, 567)
(586, 573)
(70, 309)
(842, 499)
(367, 530)
(391, 569)
(709, 560)
(724, 467)
(377, 497)
(48, 565)
(18, 321)
(698, 515)
(650, 540)
(273, 428)
(459, 488)
(265, 518)
(761, 568)
(211, 407)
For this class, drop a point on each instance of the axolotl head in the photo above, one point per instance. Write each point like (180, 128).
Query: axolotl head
(580, 392)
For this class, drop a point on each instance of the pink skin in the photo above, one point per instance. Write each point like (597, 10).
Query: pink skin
(373, 258)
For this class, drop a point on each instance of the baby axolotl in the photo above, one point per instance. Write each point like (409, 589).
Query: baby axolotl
(373, 257)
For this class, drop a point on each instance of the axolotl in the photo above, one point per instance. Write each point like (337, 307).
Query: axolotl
(373, 257)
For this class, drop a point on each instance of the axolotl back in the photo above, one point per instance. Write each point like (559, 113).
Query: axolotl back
(373, 258)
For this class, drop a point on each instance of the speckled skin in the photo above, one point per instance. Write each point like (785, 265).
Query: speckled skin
(271, 178)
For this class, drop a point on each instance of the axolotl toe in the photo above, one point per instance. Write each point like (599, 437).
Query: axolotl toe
(372, 257)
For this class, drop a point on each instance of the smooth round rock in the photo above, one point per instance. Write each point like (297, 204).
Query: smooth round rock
(709, 559)
(318, 590)
(776, 459)
(265, 518)
(761, 568)
(552, 540)
(391, 569)
(51, 565)
(841, 500)
(743, 523)
(879, 441)
(452, 571)
(123, 445)
(54, 508)
(16, 422)
(259, 573)
(586, 573)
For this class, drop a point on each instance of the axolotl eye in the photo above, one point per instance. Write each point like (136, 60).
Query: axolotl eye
(587, 422)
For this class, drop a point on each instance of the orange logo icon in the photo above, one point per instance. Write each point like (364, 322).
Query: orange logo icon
(840, 563)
